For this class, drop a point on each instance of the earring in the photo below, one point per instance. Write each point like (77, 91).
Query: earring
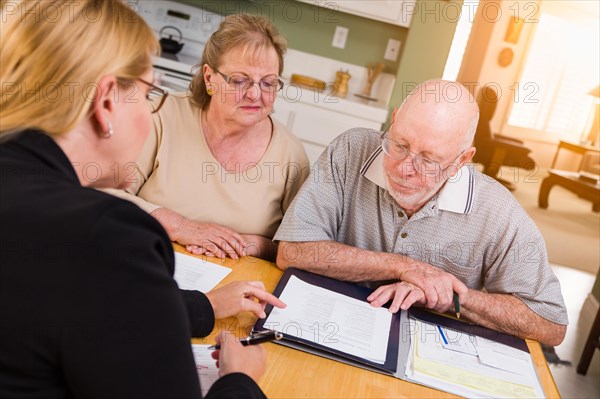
(108, 134)
(210, 91)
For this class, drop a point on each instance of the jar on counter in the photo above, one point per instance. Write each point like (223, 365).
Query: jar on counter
(340, 86)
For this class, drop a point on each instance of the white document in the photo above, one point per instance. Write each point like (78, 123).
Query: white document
(465, 374)
(206, 366)
(197, 274)
(333, 320)
(503, 357)
(457, 341)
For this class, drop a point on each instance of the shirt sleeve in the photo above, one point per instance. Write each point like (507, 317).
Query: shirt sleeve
(316, 212)
(517, 264)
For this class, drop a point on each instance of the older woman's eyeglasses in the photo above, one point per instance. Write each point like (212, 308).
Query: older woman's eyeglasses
(422, 165)
(156, 96)
(270, 84)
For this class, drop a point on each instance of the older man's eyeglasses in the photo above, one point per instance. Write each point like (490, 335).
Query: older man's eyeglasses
(156, 96)
(269, 84)
(422, 165)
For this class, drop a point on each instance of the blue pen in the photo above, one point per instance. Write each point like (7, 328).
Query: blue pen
(442, 334)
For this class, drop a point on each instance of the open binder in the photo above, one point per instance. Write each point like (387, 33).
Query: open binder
(401, 350)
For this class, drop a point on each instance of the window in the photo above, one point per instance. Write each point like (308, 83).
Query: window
(561, 67)
(461, 37)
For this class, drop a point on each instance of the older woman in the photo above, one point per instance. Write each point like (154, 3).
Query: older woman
(88, 305)
(218, 172)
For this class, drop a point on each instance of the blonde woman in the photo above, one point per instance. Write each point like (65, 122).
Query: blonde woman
(218, 172)
(88, 305)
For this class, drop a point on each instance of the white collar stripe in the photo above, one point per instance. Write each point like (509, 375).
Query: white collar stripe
(370, 160)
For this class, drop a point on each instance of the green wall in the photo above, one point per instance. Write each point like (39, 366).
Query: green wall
(425, 46)
(310, 29)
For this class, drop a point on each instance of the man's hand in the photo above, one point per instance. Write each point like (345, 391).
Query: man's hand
(437, 285)
(242, 296)
(403, 294)
(347, 263)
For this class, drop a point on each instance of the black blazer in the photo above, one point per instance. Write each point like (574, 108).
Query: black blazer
(88, 305)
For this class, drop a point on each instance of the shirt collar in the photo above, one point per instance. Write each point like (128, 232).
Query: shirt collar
(456, 195)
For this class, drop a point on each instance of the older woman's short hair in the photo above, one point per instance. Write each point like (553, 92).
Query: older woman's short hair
(252, 33)
(51, 65)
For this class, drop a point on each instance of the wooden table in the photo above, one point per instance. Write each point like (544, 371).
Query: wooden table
(295, 374)
(573, 147)
(572, 182)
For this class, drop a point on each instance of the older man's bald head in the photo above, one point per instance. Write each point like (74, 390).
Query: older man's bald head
(446, 106)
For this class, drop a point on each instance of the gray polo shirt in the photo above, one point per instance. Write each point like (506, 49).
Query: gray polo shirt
(473, 228)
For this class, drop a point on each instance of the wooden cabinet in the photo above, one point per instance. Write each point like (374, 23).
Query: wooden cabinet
(397, 12)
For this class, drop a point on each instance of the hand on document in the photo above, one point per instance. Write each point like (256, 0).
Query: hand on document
(235, 358)
(437, 285)
(242, 296)
(403, 295)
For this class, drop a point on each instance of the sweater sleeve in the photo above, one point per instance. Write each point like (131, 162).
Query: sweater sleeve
(234, 386)
(200, 313)
(128, 333)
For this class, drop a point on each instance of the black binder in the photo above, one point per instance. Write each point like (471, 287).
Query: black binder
(400, 334)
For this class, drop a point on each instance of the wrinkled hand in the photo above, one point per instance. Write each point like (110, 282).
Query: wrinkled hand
(437, 285)
(235, 358)
(209, 239)
(404, 295)
(242, 296)
(260, 247)
(257, 246)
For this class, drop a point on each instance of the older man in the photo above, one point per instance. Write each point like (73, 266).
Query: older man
(404, 206)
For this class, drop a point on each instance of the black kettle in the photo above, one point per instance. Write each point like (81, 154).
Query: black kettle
(168, 44)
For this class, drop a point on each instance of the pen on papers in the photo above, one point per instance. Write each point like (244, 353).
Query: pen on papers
(255, 339)
(456, 306)
(442, 334)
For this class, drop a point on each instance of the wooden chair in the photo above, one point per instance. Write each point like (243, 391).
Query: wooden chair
(592, 343)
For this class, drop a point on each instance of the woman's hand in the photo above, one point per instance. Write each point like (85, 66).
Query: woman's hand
(260, 247)
(201, 238)
(257, 246)
(210, 239)
(235, 358)
(242, 296)
(404, 295)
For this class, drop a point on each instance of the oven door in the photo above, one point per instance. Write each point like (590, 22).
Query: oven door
(171, 75)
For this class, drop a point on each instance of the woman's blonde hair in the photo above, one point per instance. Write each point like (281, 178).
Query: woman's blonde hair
(253, 33)
(55, 52)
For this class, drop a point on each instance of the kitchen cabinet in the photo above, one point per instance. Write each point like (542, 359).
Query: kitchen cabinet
(397, 12)
(317, 124)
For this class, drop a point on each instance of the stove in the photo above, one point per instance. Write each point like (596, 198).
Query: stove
(168, 18)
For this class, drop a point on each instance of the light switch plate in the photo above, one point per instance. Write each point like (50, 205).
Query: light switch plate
(392, 49)
(340, 36)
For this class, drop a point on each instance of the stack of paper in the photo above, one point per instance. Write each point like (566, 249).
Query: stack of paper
(469, 366)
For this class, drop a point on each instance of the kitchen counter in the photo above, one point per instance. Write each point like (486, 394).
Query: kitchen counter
(351, 105)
